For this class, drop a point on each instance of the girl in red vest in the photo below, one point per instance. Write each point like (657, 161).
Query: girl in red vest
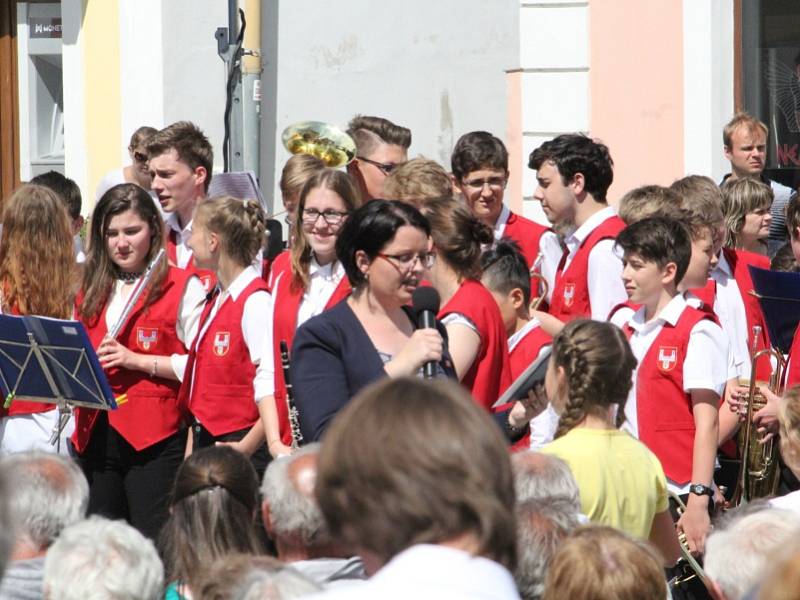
(316, 281)
(477, 335)
(38, 276)
(218, 389)
(130, 455)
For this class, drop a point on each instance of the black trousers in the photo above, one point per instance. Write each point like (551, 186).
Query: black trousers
(202, 438)
(128, 484)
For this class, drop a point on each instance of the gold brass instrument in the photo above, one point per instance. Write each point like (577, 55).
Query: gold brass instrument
(693, 568)
(544, 288)
(327, 142)
(759, 473)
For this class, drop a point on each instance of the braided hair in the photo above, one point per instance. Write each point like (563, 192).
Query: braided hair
(241, 225)
(598, 363)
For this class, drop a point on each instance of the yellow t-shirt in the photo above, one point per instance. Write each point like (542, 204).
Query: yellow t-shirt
(621, 482)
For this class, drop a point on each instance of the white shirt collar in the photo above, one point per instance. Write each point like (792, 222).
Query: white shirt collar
(242, 280)
(333, 271)
(669, 314)
(517, 336)
(577, 237)
(723, 265)
(172, 221)
(500, 224)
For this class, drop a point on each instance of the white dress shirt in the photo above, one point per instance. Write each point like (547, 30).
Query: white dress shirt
(704, 366)
(183, 254)
(604, 277)
(729, 307)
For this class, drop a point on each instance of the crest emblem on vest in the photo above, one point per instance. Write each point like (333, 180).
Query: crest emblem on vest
(569, 294)
(222, 343)
(146, 337)
(206, 281)
(667, 358)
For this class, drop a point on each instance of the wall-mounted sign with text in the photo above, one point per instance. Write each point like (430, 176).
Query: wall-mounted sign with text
(44, 27)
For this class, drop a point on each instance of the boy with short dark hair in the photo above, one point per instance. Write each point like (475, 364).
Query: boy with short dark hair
(480, 172)
(681, 372)
(506, 276)
(70, 194)
(574, 173)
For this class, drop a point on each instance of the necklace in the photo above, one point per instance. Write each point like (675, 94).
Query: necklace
(128, 277)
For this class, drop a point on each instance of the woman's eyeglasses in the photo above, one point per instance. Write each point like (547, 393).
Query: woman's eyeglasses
(331, 217)
(140, 157)
(405, 262)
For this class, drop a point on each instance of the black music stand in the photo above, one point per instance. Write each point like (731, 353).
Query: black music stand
(778, 293)
(53, 362)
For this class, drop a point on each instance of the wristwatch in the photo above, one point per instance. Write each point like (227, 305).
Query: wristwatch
(701, 490)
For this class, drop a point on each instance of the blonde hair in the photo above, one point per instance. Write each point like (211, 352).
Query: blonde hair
(742, 120)
(38, 274)
(603, 563)
(418, 182)
(649, 201)
(329, 179)
(241, 225)
(740, 197)
(297, 170)
(597, 362)
(701, 203)
(789, 418)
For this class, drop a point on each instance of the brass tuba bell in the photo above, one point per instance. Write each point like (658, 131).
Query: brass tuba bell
(325, 141)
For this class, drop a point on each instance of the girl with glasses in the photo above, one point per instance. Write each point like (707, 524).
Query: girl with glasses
(384, 247)
(314, 282)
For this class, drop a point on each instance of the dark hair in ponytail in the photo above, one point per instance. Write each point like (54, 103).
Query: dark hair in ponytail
(458, 236)
(598, 363)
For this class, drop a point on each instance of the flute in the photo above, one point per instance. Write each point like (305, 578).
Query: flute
(294, 414)
(113, 332)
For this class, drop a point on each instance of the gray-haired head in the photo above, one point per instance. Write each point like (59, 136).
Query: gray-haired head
(240, 576)
(540, 476)
(288, 490)
(6, 524)
(738, 553)
(541, 526)
(98, 558)
(50, 493)
(284, 584)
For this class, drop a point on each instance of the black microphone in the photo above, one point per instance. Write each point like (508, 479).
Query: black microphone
(425, 304)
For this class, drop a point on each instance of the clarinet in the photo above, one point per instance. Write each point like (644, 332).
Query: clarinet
(294, 414)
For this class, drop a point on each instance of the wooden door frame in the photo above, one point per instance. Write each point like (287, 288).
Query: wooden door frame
(9, 100)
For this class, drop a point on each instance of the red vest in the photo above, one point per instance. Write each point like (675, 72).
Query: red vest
(571, 291)
(490, 373)
(520, 358)
(151, 412)
(221, 397)
(287, 298)
(280, 264)
(207, 278)
(527, 234)
(665, 419)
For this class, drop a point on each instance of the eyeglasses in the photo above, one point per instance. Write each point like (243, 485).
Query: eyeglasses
(405, 262)
(140, 157)
(331, 217)
(496, 183)
(385, 168)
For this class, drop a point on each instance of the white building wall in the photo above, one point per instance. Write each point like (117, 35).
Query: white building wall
(554, 58)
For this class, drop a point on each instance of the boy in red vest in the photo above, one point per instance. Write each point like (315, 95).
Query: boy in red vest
(574, 173)
(506, 276)
(480, 172)
(682, 367)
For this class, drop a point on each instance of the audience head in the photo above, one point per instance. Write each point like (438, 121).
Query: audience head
(782, 581)
(297, 170)
(50, 493)
(603, 563)
(426, 428)
(542, 525)
(664, 242)
(291, 514)
(649, 201)
(98, 558)
(745, 145)
(384, 248)
(212, 513)
(458, 237)
(737, 555)
(568, 167)
(123, 206)
(544, 477)
(137, 150)
(789, 419)
(589, 372)
(7, 525)
(181, 162)
(420, 181)
(506, 275)
(380, 147)
(327, 198)
(480, 171)
(69, 193)
(746, 205)
(37, 260)
(248, 577)
(227, 226)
